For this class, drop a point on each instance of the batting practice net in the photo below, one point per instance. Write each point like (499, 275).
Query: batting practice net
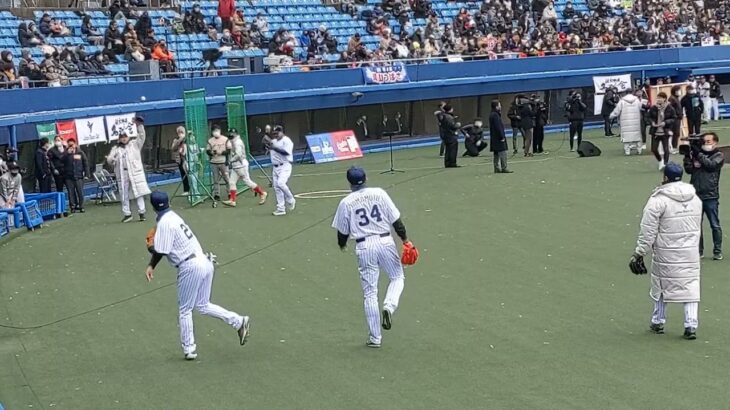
(196, 122)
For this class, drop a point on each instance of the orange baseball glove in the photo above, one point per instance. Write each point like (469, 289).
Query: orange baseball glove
(150, 239)
(409, 255)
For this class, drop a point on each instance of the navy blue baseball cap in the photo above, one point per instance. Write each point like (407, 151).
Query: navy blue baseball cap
(356, 176)
(673, 172)
(160, 201)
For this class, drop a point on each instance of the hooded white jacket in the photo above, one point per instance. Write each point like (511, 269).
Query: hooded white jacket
(670, 227)
(628, 111)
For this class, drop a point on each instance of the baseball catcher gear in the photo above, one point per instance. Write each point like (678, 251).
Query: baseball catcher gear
(410, 253)
(150, 239)
(636, 264)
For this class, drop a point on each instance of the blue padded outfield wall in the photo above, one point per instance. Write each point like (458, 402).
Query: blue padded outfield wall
(285, 92)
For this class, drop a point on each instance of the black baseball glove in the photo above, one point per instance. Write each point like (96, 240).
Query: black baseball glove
(636, 264)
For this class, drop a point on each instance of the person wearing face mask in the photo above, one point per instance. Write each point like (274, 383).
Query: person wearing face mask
(55, 154)
(662, 117)
(704, 164)
(75, 171)
(693, 107)
(670, 229)
(281, 150)
(541, 119)
(675, 100)
(498, 139)
(126, 159)
(43, 173)
(474, 138)
(218, 148)
(10, 186)
(239, 170)
(179, 154)
(628, 111)
(227, 40)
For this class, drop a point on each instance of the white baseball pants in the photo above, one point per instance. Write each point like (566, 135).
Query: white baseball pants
(194, 282)
(691, 313)
(707, 102)
(283, 193)
(241, 173)
(715, 111)
(373, 254)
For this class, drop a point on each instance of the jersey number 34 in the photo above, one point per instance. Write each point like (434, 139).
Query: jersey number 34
(366, 216)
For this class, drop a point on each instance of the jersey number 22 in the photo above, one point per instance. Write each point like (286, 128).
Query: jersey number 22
(365, 216)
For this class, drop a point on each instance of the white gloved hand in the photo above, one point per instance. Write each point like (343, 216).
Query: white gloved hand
(212, 257)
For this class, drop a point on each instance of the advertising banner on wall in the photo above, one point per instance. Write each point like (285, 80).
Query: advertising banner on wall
(46, 131)
(386, 74)
(334, 146)
(90, 130)
(621, 82)
(67, 130)
(116, 124)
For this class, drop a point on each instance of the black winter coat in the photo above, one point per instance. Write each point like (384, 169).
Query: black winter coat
(693, 106)
(75, 165)
(449, 127)
(705, 170)
(669, 117)
(42, 163)
(576, 110)
(514, 115)
(610, 99)
(497, 138)
(527, 115)
(56, 157)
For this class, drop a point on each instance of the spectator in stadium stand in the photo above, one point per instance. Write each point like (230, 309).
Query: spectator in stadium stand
(27, 67)
(113, 39)
(28, 36)
(53, 72)
(238, 20)
(8, 74)
(569, 11)
(198, 20)
(67, 62)
(44, 25)
(226, 40)
(226, 10)
(261, 25)
(164, 56)
(143, 26)
(92, 34)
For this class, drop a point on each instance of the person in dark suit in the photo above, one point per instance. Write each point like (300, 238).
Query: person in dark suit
(449, 128)
(541, 119)
(527, 123)
(43, 171)
(498, 141)
(75, 170)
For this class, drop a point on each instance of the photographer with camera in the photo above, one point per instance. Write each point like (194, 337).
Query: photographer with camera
(703, 161)
(541, 119)
(474, 138)
(575, 110)
(526, 110)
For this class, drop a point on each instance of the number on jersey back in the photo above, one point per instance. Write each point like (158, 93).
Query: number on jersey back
(366, 212)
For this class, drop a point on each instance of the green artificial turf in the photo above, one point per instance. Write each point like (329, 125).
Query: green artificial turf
(522, 299)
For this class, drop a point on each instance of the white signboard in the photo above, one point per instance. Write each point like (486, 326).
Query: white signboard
(116, 124)
(90, 130)
(621, 82)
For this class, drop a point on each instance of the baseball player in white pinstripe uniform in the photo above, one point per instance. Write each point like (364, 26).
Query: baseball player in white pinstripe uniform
(367, 215)
(282, 156)
(239, 169)
(174, 239)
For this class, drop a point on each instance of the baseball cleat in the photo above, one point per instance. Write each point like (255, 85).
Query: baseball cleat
(263, 198)
(126, 218)
(717, 257)
(243, 330)
(386, 319)
(230, 203)
(657, 328)
(279, 213)
(142, 218)
(372, 344)
(690, 333)
(292, 205)
(191, 356)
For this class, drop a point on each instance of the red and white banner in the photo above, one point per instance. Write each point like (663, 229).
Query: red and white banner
(67, 130)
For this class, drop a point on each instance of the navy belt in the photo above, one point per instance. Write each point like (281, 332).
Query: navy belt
(185, 260)
(382, 235)
(277, 165)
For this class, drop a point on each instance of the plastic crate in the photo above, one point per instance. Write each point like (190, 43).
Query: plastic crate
(51, 205)
(15, 213)
(4, 227)
(31, 214)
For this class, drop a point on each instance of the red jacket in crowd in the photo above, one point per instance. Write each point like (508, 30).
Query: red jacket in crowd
(226, 8)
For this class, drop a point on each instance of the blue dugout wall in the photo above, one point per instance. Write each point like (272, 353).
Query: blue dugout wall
(161, 101)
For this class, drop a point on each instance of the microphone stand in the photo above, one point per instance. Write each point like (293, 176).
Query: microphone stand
(390, 135)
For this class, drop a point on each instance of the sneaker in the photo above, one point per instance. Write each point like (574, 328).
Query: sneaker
(82, 210)
(186, 193)
(230, 203)
(191, 356)
(386, 319)
(263, 198)
(661, 165)
(142, 218)
(243, 330)
(643, 147)
(126, 218)
(674, 151)
(572, 150)
(279, 213)
(717, 257)
(507, 171)
(657, 328)
(292, 205)
(372, 344)
(690, 333)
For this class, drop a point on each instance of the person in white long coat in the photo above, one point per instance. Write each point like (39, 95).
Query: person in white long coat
(628, 112)
(126, 159)
(670, 228)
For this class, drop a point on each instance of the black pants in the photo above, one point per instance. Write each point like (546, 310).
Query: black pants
(75, 189)
(607, 125)
(472, 149)
(500, 161)
(576, 129)
(655, 141)
(442, 148)
(60, 182)
(184, 177)
(643, 129)
(694, 125)
(538, 136)
(677, 130)
(452, 148)
(44, 183)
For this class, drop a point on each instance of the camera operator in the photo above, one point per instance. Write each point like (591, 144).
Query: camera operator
(474, 138)
(541, 119)
(449, 128)
(704, 162)
(575, 110)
